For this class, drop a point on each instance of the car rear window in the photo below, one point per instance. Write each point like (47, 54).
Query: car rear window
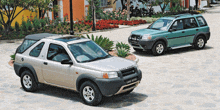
(25, 45)
(201, 21)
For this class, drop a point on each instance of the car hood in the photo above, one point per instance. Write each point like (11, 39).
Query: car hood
(147, 31)
(109, 64)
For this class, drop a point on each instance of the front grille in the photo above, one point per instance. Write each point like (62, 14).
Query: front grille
(131, 80)
(128, 71)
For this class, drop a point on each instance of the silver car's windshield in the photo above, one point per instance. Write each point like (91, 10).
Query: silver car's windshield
(161, 24)
(87, 51)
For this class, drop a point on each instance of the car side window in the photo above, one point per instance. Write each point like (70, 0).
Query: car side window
(57, 53)
(178, 25)
(25, 45)
(35, 52)
(190, 23)
(201, 21)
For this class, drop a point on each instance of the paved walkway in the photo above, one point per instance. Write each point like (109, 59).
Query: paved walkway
(183, 79)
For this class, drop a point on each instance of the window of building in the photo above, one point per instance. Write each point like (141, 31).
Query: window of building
(103, 3)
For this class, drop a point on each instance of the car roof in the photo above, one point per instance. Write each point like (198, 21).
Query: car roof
(56, 37)
(181, 16)
(39, 36)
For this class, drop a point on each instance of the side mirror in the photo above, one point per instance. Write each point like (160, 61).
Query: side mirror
(70, 62)
(171, 30)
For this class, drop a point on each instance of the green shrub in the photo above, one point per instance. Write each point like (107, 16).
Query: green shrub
(51, 29)
(47, 20)
(17, 27)
(42, 22)
(123, 45)
(43, 29)
(122, 52)
(1, 28)
(80, 30)
(62, 32)
(12, 57)
(59, 25)
(29, 25)
(67, 31)
(36, 23)
(103, 42)
(24, 26)
(20, 35)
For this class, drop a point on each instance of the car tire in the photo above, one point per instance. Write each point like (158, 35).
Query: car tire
(90, 93)
(158, 48)
(28, 81)
(200, 43)
(138, 50)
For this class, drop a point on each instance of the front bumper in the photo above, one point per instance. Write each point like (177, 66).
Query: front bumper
(142, 44)
(109, 87)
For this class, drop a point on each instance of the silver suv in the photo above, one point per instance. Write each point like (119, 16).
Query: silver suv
(74, 63)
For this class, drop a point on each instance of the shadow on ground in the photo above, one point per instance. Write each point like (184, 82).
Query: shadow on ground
(120, 101)
(117, 101)
(170, 52)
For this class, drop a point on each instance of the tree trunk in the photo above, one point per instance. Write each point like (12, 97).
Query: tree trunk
(122, 4)
(7, 27)
(208, 3)
(128, 9)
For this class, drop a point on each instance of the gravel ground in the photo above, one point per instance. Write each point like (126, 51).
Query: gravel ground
(182, 79)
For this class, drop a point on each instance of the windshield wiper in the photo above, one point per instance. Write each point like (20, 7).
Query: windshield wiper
(155, 28)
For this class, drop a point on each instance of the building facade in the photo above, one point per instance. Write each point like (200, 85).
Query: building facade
(78, 7)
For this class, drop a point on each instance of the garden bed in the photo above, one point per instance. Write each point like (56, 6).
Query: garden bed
(130, 56)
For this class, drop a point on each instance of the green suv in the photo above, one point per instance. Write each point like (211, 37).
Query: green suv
(172, 32)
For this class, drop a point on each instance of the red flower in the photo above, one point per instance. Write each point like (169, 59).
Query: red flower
(31, 16)
(27, 16)
(57, 16)
(22, 15)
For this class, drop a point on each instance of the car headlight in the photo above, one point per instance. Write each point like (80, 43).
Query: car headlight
(108, 75)
(147, 36)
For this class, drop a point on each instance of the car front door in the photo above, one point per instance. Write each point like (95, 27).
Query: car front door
(191, 28)
(54, 72)
(176, 36)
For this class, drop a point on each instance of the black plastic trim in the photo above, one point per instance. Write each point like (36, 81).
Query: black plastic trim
(108, 87)
(18, 67)
(181, 36)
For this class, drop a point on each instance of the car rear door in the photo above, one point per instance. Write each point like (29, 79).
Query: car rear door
(191, 28)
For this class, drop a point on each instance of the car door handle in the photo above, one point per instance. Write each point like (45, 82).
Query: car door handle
(45, 63)
(183, 31)
(197, 29)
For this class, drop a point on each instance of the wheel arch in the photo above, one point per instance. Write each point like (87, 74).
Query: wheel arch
(83, 78)
(199, 34)
(163, 40)
(27, 66)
